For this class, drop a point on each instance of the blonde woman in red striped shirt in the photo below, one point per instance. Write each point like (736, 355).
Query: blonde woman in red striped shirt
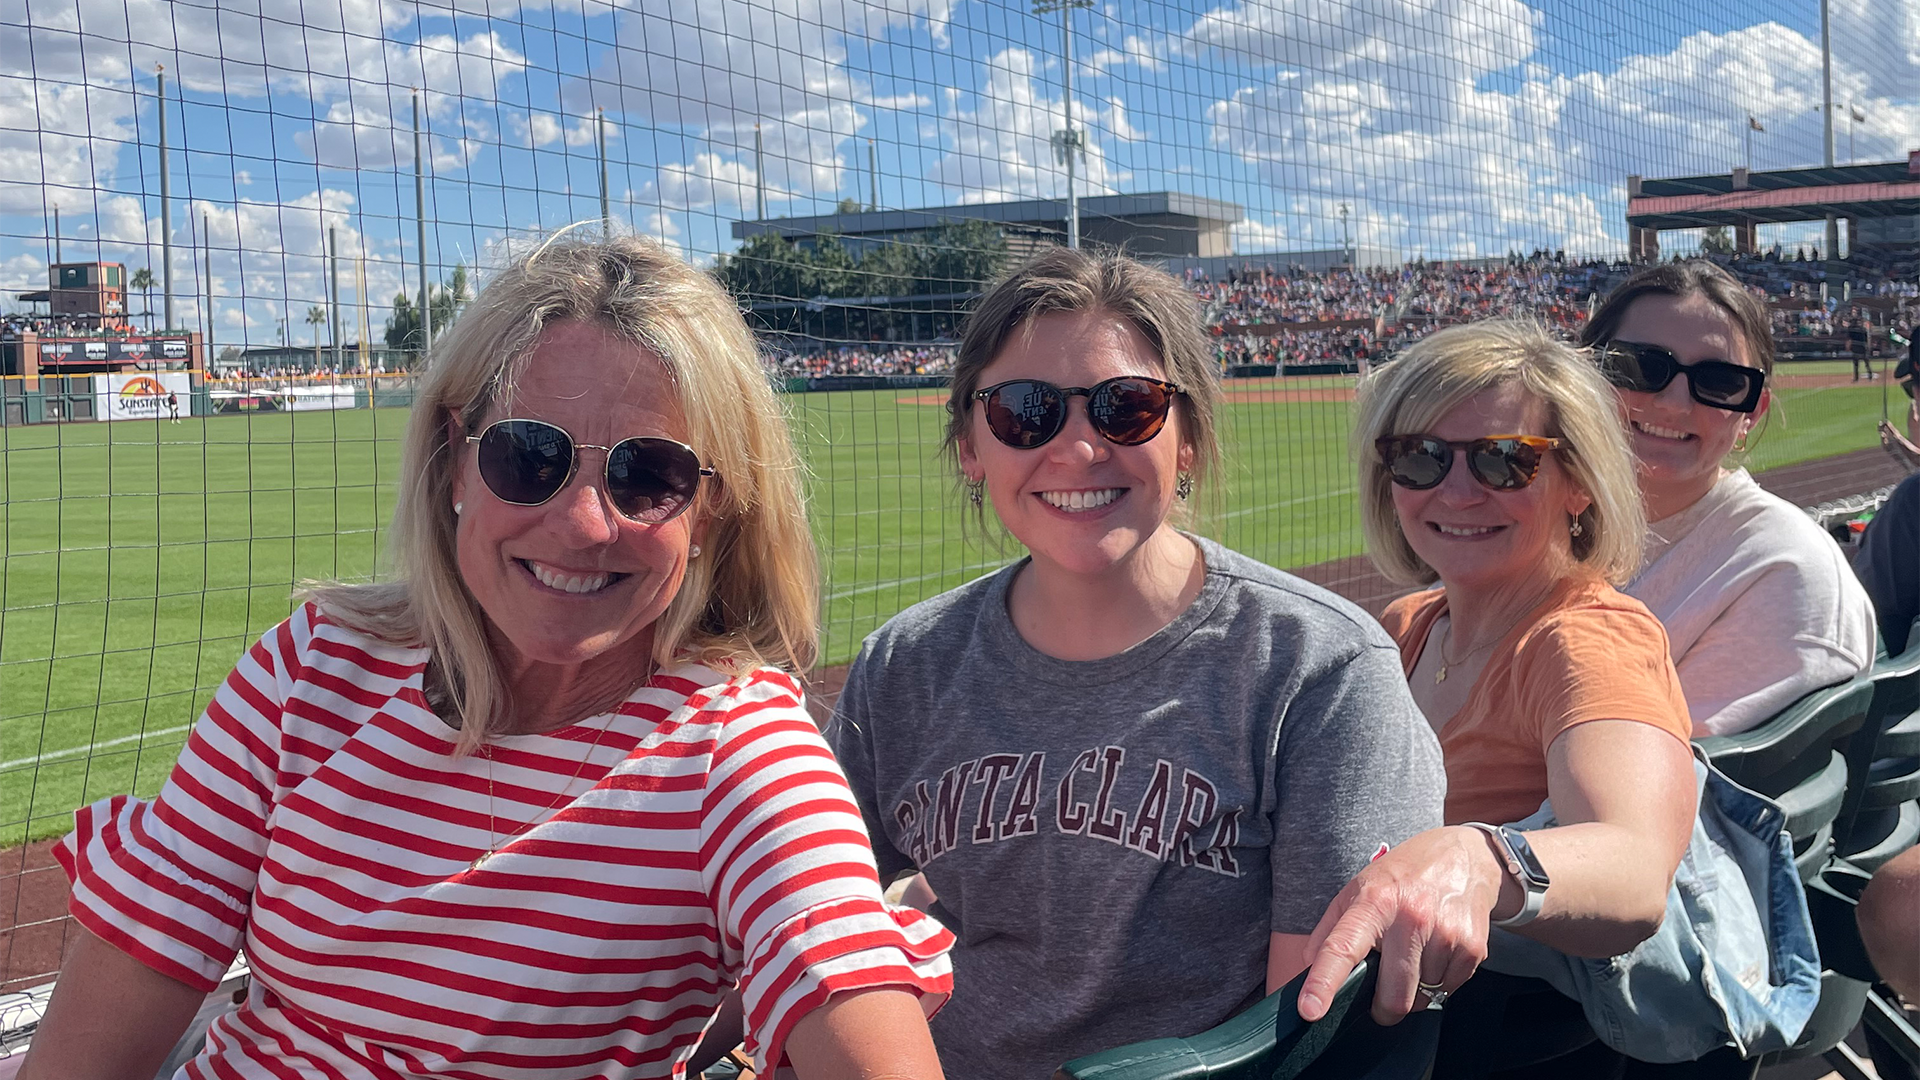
(530, 808)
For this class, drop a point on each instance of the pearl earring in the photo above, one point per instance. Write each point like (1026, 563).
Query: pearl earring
(693, 551)
(459, 508)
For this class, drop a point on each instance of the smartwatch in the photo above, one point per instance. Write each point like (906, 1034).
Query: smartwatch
(1523, 865)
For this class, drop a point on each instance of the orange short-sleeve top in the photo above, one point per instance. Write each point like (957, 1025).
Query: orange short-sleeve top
(1588, 652)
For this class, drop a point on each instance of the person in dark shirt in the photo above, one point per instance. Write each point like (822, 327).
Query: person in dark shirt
(1860, 348)
(1888, 564)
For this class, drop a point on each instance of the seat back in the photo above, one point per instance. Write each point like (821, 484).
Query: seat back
(1796, 745)
(1883, 763)
(1266, 1042)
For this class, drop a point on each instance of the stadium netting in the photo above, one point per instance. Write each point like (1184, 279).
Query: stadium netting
(254, 218)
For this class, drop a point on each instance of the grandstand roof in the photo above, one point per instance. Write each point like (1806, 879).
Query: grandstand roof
(1886, 189)
(1147, 223)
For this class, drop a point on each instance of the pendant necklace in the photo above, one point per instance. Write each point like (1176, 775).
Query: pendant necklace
(494, 840)
(1446, 662)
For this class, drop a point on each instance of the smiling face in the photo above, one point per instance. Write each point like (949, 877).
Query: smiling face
(1079, 502)
(1679, 442)
(571, 582)
(1477, 538)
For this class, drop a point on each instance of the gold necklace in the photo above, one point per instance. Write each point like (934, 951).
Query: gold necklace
(494, 840)
(1445, 662)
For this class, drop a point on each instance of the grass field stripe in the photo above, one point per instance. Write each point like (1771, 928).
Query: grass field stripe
(55, 755)
(1315, 497)
(847, 594)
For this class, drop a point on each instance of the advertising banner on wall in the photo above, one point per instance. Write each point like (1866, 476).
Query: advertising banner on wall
(141, 395)
(313, 398)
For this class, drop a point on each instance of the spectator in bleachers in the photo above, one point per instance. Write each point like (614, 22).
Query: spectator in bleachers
(532, 807)
(1134, 766)
(1888, 563)
(1492, 462)
(1759, 605)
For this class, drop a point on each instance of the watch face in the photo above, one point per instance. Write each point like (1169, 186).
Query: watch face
(1523, 854)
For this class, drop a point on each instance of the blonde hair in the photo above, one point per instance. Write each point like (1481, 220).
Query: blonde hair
(1437, 374)
(750, 599)
(1062, 279)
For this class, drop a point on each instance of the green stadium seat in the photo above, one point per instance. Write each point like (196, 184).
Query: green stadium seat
(1270, 1042)
(1800, 759)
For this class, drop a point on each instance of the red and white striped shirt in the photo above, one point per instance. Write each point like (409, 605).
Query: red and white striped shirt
(699, 837)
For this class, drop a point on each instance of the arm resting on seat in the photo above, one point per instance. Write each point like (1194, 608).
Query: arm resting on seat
(111, 1017)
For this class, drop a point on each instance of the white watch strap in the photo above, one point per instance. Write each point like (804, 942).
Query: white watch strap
(1532, 897)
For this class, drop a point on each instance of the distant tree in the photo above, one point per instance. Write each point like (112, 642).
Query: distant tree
(848, 206)
(142, 279)
(403, 326)
(831, 269)
(1716, 240)
(960, 258)
(449, 300)
(767, 267)
(446, 301)
(316, 318)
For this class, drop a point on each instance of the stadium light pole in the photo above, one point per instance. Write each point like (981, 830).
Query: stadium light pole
(600, 137)
(206, 347)
(420, 221)
(333, 291)
(759, 174)
(166, 198)
(873, 176)
(1346, 241)
(1826, 113)
(1069, 140)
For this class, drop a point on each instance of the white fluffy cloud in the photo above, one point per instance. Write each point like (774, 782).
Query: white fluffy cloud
(1002, 147)
(1530, 158)
(719, 67)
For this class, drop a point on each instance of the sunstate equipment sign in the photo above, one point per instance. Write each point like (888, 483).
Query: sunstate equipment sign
(140, 396)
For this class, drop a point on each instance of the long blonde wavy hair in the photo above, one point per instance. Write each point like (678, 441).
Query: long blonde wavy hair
(752, 598)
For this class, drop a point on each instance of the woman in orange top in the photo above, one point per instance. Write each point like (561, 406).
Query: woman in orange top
(1493, 462)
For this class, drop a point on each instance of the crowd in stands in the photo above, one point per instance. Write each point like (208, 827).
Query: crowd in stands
(1379, 311)
(62, 326)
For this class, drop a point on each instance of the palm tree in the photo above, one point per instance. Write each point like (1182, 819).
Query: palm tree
(142, 279)
(316, 316)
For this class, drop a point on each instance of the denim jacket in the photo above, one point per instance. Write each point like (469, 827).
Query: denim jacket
(1734, 961)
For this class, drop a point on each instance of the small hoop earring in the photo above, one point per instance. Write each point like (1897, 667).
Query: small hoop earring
(1577, 529)
(459, 508)
(977, 493)
(693, 551)
(1184, 488)
(1740, 443)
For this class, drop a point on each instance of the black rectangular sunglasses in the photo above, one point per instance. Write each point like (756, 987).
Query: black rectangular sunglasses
(649, 480)
(1722, 384)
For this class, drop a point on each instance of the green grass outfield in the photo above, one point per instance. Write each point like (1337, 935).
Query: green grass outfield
(140, 559)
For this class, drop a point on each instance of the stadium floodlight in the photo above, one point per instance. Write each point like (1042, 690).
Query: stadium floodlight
(1068, 140)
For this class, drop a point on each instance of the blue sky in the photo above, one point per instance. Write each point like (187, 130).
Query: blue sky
(1448, 127)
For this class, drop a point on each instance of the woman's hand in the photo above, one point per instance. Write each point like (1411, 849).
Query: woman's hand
(1425, 906)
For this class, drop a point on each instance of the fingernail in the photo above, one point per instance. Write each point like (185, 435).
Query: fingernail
(1310, 1003)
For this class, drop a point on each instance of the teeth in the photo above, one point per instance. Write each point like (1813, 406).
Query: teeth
(1073, 501)
(573, 583)
(1659, 432)
(1455, 530)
